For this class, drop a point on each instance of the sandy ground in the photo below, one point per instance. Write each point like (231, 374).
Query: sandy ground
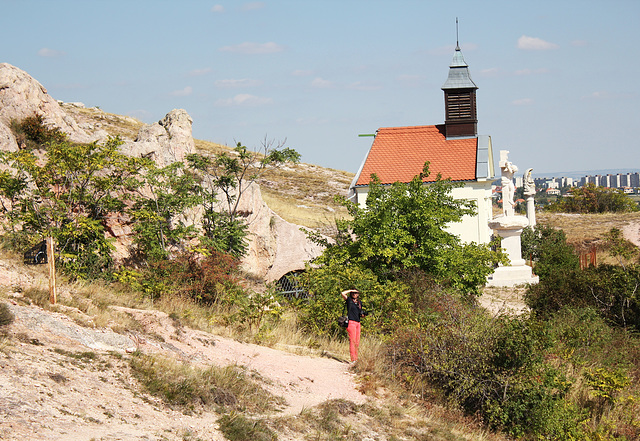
(631, 232)
(47, 394)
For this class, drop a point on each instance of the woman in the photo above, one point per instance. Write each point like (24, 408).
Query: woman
(354, 312)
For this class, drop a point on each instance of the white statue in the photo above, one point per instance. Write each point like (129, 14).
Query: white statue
(529, 184)
(529, 193)
(508, 187)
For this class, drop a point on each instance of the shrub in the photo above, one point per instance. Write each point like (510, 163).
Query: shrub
(593, 199)
(187, 387)
(403, 226)
(611, 290)
(549, 249)
(210, 279)
(237, 427)
(494, 369)
(6, 316)
(386, 303)
(33, 132)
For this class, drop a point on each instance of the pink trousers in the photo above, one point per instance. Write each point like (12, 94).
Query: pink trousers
(353, 329)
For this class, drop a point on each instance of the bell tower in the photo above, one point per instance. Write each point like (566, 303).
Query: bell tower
(461, 119)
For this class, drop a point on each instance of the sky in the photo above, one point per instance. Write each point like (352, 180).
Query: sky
(559, 81)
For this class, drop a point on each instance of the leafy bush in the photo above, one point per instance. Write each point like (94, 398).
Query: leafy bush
(210, 279)
(72, 188)
(386, 303)
(549, 249)
(224, 233)
(611, 290)
(492, 368)
(34, 133)
(593, 199)
(404, 226)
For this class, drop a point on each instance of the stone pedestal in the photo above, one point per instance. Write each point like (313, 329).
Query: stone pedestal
(509, 228)
(531, 210)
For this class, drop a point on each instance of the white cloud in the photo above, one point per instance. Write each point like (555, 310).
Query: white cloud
(601, 94)
(217, 8)
(534, 44)
(359, 85)
(243, 99)
(50, 53)
(522, 102)
(541, 70)
(490, 72)
(243, 82)
(252, 6)
(253, 48)
(321, 83)
(183, 92)
(200, 72)
(301, 73)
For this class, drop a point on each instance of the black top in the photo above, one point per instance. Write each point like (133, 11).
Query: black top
(354, 309)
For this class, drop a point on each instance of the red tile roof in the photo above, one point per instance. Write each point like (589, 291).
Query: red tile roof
(398, 154)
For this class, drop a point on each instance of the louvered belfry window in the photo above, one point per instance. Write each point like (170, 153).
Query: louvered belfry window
(460, 106)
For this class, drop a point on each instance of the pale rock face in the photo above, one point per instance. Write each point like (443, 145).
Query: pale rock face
(22, 96)
(7, 141)
(276, 246)
(169, 140)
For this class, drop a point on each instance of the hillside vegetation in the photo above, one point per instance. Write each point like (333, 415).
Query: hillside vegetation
(149, 337)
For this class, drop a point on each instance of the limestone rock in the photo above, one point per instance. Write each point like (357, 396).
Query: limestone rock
(169, 140)
(7, 141)
(276, 246)
(22, 96)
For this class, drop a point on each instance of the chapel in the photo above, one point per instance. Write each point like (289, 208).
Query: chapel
(454, 149)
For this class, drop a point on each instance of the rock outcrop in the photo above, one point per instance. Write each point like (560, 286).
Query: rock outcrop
(275, 246)
(169, 140)
(22, 96)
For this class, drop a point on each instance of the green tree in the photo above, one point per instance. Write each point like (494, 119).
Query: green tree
(386, 303)
(67, 191)
(162, 201)
(404, 226)
(548, 248)
(232, 174)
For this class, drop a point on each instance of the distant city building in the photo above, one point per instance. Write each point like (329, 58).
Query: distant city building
(628, 182)
(620, 180)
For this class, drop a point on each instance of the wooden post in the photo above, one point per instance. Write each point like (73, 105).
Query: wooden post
(51, 262)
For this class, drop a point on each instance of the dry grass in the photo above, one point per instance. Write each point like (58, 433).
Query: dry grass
(212, 148)
(190, 387)
(305, 194)
(584, 229)
(302, 194)
(113, 124)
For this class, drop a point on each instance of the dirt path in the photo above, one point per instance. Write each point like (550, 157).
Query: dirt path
(631, 232)
(47, 392)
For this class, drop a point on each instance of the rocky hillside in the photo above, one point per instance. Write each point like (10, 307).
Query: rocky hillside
(283, 200)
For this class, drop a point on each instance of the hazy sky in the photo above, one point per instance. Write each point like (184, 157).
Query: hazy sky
(559, 81)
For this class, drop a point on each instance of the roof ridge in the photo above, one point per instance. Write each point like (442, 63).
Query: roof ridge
(435, 126)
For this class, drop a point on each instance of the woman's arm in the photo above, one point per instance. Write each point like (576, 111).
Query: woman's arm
(346, 293)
